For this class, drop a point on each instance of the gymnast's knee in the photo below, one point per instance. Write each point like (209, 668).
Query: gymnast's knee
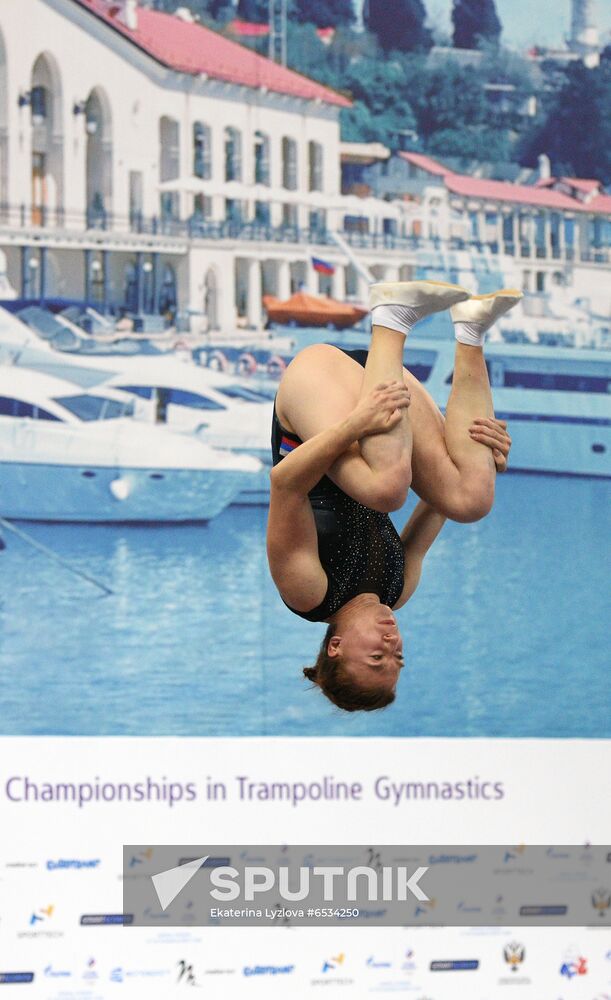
(389, 491)
(471, 504)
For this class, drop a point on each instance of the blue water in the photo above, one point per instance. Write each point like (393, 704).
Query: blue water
(506, 636)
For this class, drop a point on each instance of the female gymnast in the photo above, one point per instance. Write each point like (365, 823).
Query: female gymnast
(351, 432)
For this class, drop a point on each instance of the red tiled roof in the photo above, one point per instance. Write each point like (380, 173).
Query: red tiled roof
(602, 204)
(190, 48)
(520, 194)
(426, 163)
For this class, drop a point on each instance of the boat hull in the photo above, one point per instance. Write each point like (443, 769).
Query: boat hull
(41, 492)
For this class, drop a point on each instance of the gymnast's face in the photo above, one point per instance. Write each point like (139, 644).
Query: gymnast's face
(370, 647)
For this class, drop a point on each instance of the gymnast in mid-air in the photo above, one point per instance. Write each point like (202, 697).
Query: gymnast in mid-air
(352, 431)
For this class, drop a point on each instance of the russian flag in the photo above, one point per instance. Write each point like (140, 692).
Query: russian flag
(322, 266)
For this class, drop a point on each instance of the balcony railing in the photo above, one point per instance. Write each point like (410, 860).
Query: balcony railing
(55, 222)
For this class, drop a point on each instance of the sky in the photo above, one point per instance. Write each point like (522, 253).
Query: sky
(545, 22)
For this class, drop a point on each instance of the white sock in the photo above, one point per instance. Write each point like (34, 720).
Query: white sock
(470, 333)
(399, 318)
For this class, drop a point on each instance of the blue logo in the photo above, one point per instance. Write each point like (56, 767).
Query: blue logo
(52, 973)
(64, 863)
(452, 859)
(268, 970)
(6, 978)
(100, 919)
(116, 975)
(455, 965)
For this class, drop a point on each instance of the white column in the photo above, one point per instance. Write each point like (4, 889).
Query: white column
(339, 283)
(254, 294)
(283, 280)
(362, 288)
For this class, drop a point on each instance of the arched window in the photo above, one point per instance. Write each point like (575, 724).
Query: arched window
(98, 128)
(289, 164)
(315, 166)
(262, 165)
(202, 151)
(233, 154)
(46, 116)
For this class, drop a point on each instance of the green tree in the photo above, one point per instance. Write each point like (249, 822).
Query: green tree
(256, 11)
(324, 13)
(475, 21)
(381, 110)
(450, 96)
(575, 130)
(399, 24)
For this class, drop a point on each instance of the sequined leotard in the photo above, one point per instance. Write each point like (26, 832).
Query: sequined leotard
(359, 548)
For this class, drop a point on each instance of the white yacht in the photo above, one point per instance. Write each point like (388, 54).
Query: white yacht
(74, 455)
(225, 411)
(557, 401)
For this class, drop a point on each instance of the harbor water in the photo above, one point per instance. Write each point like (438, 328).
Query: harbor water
(506, 636)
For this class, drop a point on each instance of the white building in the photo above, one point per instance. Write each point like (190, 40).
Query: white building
(146, 159)
(149, 164)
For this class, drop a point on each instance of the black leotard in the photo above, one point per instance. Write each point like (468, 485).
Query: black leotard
(359, 548)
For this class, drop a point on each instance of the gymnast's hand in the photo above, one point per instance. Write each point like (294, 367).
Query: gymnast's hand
(493, 433)
(380, 410)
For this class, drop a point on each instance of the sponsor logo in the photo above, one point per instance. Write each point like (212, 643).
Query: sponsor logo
(601, 901)
(186, 975)
(268, 970)
(422, 909)
(335, 962)
(463, 907)
(452, 859)
(574, 965)
(91, 971)
(42, 915)
(373, 963)
(41, 923)
(9, 978)
(408, 964)
(514, 955)
(52, 973)
(556, 855)
(513, 854)
(119, 974)
(140, 858)
(75, 863)
(558, 910)
(219, 972)
(106, 919)
(455, 965)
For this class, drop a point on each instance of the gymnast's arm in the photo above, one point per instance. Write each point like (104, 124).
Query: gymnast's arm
(292, 542)
(417, 537)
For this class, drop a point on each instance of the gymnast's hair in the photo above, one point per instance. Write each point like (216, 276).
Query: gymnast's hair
(330, 676)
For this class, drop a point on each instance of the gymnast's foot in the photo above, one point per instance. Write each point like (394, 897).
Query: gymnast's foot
(473, 318)
(399, 305)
